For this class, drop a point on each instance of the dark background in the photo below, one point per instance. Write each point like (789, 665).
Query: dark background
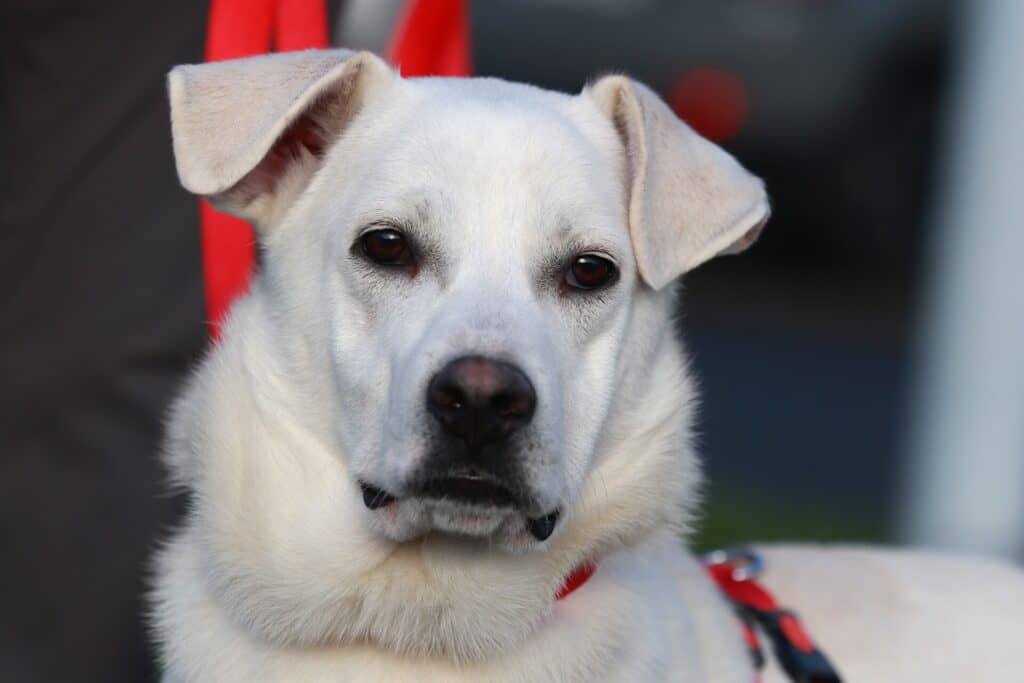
(802, 345)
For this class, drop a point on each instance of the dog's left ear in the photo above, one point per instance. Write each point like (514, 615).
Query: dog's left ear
(250, 133)
(689, 200)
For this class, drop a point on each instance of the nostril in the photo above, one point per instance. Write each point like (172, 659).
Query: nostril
(511, 405)
(449, 397)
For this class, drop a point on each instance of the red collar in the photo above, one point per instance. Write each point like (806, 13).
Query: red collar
(577, 577)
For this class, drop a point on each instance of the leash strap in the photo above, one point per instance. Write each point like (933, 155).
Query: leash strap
(735, 573)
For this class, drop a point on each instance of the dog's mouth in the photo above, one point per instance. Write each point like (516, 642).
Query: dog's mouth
(465, 489)
(468, 488)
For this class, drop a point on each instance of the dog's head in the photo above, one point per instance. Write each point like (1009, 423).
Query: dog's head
(468, 276)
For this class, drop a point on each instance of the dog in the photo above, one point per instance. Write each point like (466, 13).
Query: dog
(456, 379)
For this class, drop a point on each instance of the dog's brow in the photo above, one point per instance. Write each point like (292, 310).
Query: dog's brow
(574, 232)
(403, 212)
(386, 221)
(400, 220)
(573, 243)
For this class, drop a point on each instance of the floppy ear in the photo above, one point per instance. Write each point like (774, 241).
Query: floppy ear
(689, 200)
(250, 133)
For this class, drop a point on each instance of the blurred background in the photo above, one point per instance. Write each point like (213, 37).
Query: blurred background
(861, 366)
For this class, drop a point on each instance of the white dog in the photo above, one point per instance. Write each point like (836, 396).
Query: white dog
(456, 379)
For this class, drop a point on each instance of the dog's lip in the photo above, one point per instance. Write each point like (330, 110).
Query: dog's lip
(374, 497)
(474, 489)
(542, 527)
(469, 488)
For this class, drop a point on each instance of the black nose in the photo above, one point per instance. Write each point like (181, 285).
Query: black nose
(481, 400)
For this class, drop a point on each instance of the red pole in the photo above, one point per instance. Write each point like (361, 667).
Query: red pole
(432, 38)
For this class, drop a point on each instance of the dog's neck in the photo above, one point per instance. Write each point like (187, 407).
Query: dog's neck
(290, 560)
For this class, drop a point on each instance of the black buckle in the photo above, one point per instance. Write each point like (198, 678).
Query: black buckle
(803, 666)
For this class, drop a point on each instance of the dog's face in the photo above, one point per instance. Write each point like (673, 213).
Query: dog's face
(481, 277)
(466, 263)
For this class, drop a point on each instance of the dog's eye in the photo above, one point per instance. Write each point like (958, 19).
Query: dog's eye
(590, 271)
(387, 247)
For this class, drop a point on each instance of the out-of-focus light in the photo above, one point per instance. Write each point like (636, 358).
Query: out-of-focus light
(712, 101)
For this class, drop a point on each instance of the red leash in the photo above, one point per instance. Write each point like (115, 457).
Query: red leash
(735, 572)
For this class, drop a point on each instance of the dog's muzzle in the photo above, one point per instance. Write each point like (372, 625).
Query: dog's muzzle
(478, 404)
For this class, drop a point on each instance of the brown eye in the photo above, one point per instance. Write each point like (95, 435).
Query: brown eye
(386, 247)
(590, 271)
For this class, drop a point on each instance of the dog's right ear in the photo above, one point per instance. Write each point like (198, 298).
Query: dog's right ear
(250, 133)
(688, 199)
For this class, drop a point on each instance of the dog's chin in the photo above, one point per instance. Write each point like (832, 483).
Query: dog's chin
(467, 519)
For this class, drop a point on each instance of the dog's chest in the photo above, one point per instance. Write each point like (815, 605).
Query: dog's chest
(630, 622)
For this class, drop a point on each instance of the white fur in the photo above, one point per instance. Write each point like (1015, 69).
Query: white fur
(280, 572)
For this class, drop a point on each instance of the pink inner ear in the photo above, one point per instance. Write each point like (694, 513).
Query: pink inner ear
(310, 133)
(303, 133)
